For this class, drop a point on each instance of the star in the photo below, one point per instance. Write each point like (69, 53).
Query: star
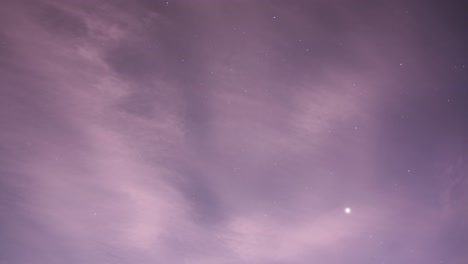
(347, 210)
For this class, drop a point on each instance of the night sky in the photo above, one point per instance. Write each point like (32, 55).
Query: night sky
(233, 132)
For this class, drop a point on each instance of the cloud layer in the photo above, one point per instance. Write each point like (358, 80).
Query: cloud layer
(231, 132)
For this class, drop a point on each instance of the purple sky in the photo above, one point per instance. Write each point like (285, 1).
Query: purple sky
(232, 132)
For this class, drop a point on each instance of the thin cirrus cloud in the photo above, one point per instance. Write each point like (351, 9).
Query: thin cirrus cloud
(219, 132)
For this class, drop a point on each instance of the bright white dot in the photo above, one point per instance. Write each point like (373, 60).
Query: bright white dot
(347, 210)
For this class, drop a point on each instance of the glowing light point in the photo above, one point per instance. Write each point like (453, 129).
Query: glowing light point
(347, 210)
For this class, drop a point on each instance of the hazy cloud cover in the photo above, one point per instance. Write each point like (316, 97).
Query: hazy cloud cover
(233, 132)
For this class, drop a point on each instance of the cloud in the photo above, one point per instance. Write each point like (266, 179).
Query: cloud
(211, 132)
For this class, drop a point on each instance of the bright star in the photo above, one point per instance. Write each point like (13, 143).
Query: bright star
(347, 210)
